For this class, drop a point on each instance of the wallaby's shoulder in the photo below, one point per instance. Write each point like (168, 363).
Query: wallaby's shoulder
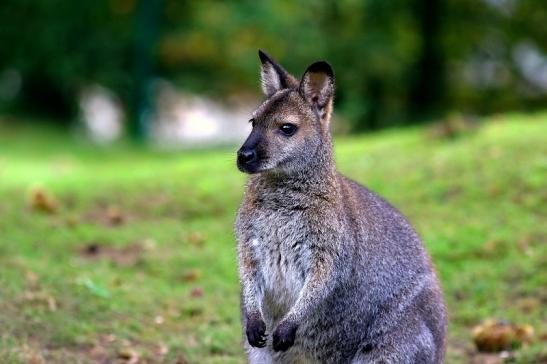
(376, 216)
(364, 201)
(363, 195)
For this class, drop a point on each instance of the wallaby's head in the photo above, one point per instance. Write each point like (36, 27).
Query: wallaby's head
(291, 126)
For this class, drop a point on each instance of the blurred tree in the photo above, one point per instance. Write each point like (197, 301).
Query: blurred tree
(60, 46)
(427, 78)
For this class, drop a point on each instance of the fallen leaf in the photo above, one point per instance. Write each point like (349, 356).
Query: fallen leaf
(128, 356)
(52, 304)
(158, 320)
(529, 304)
(149, 244)
(40, 200)
(197, 238)
(162, 349)
(98, 352)
(41, 298)
(191, 275)
(72, 221)
(196, 292)
(181, 359)
(31, 277)
(114, 215)
(496, 336)
(487, 359)
(32, 355)
(524, 246)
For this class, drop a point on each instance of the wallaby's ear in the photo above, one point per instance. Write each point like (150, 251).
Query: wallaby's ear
(317, 87)
(273, 76)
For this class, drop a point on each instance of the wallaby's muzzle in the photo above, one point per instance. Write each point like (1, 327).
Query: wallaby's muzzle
(247, 160)
(248, 156)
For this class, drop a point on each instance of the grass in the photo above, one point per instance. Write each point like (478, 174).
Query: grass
(138, 260)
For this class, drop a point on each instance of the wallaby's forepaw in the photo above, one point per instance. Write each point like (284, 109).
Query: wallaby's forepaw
(256, 332)
(284, 335)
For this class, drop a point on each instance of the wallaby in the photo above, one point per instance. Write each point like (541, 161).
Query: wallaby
(330, 272)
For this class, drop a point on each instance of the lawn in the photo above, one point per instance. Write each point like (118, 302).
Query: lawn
(127, 254)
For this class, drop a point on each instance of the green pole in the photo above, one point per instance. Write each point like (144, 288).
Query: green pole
(146, 32)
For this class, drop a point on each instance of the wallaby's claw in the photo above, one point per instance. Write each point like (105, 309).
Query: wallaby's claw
(256, 332)
(284, 335)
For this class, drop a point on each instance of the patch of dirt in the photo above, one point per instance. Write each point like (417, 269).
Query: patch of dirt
(453, 127)
(109, 349)
(125, 256)
(462, 351)
(194, 206)
(107, 214)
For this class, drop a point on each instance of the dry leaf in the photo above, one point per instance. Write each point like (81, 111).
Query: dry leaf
(114, 215)
(191, 275)
(41, 299)
(197, 238)
(162, 349)
(31, 277)
(524, 246)
(149, 244)
(72, 221)
(128, 356)
(40, 200)
(495, 336)
(196, 292)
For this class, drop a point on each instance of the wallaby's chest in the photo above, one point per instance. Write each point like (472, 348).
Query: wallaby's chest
(280, 244)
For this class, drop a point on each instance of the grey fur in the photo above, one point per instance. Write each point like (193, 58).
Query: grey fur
(323, 255)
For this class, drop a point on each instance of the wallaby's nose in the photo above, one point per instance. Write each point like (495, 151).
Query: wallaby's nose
(246, 155)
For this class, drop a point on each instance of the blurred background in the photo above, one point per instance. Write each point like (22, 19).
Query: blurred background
(143, 66)
(119, 122)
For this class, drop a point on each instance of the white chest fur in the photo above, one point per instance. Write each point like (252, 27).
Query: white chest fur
(282, 274)
(282, 252)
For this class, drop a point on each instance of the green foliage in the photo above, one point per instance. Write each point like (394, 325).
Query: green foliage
(140, 253)
(61, 46)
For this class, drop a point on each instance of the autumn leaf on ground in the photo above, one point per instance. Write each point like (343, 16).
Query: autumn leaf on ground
(41, 200)
(128, 356)
(191, 275)
(40, 299)
(196, 292)
(495, 336)
(196, 238)
(114, 215)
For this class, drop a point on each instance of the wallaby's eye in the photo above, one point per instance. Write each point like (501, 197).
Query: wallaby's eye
(252, 121)
(288, 129)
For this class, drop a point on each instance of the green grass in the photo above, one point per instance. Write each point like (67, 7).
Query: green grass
(479, 202)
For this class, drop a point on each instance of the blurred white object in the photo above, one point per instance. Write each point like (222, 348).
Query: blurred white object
(532, 64)
(101, 113)
(10, 84)
(190, 120)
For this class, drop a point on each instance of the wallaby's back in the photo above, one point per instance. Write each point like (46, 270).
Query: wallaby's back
(395, 269)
